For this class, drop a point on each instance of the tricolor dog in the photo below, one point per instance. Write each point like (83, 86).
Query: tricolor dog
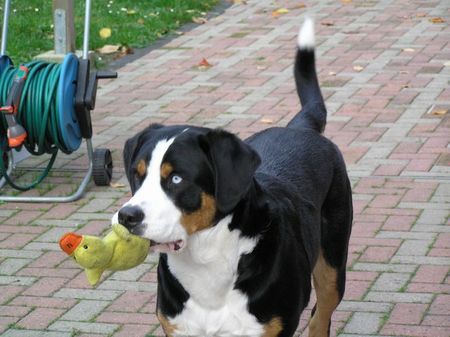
(242, 225)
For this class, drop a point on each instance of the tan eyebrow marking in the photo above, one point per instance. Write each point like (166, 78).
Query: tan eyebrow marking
(166, 170)
(141, 168)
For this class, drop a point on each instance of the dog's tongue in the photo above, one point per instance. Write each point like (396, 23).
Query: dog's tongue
(174, 245)
(167, 246)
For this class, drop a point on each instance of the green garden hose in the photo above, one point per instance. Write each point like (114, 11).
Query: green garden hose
(38, 114)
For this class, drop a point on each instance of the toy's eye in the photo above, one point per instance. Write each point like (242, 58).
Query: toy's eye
(176, 179)
(85, 247)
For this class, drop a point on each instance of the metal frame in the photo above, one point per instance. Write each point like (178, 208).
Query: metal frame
(5, 26)
(10, 168)
(75, 196)
(90, 151)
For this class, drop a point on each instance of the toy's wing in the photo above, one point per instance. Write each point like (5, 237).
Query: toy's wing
(93, 275)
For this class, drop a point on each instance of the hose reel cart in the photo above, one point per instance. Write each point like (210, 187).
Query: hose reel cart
(46, 108)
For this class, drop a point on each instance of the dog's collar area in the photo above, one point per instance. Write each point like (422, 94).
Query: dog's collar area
(167, 247)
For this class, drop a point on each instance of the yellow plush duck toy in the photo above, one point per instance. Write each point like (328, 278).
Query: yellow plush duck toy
(118, 250)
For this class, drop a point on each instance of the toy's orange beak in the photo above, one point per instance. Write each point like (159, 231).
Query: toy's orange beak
(69, 242)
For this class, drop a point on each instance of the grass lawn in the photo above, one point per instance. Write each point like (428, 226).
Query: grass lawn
(133, 23)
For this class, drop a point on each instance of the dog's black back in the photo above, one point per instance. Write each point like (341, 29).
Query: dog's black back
(303, 179)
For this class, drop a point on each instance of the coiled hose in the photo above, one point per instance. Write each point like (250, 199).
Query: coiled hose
(38, 114)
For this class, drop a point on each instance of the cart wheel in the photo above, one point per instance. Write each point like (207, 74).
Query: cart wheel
(102, 167)
(6, 160)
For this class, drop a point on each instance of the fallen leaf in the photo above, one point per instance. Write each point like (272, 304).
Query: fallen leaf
(204, 64)
(239, 2)
(346, 2)
(117, 185)
(131, 11)
(421, 15)
(351, 32)
(327, 23)
(409, 50)
(439, 112)
(403, 72)
(299, 6)
(437, 20)
(199, 20)
(109, 49)
(404, 86)
(447, 64)
(141, 21)
(266, 121)
(358, 68)
(280, 11)
(105, 33)
(125, 50)
(332, 73)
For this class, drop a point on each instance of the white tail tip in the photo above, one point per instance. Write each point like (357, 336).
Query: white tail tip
(306, 38)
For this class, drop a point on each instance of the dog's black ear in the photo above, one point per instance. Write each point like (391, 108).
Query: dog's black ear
(234, 164)
(132, 146)
(129, 152)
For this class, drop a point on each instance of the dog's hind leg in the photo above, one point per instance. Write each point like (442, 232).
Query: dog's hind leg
(329, 271)
(325, 283)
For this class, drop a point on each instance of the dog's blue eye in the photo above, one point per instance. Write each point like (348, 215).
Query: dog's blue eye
(176, 179)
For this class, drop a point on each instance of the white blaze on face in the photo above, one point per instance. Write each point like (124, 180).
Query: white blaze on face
(162, 217)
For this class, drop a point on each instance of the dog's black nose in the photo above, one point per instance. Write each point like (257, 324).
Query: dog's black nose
(131, 216)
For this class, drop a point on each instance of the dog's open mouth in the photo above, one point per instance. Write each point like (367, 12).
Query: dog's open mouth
(167, 247)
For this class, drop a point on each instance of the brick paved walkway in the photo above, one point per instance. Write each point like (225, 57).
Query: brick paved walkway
(385, 70)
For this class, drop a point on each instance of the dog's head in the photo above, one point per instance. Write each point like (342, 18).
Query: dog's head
(183, 179)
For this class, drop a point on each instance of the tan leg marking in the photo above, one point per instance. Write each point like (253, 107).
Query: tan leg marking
(273, 328)
(325, 283)
(201, 218)
(168, 328)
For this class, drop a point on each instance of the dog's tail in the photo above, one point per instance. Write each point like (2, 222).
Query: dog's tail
(314, 113)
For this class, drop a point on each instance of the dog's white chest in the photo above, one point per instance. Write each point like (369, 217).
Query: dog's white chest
(233, 319)
(207, 269)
